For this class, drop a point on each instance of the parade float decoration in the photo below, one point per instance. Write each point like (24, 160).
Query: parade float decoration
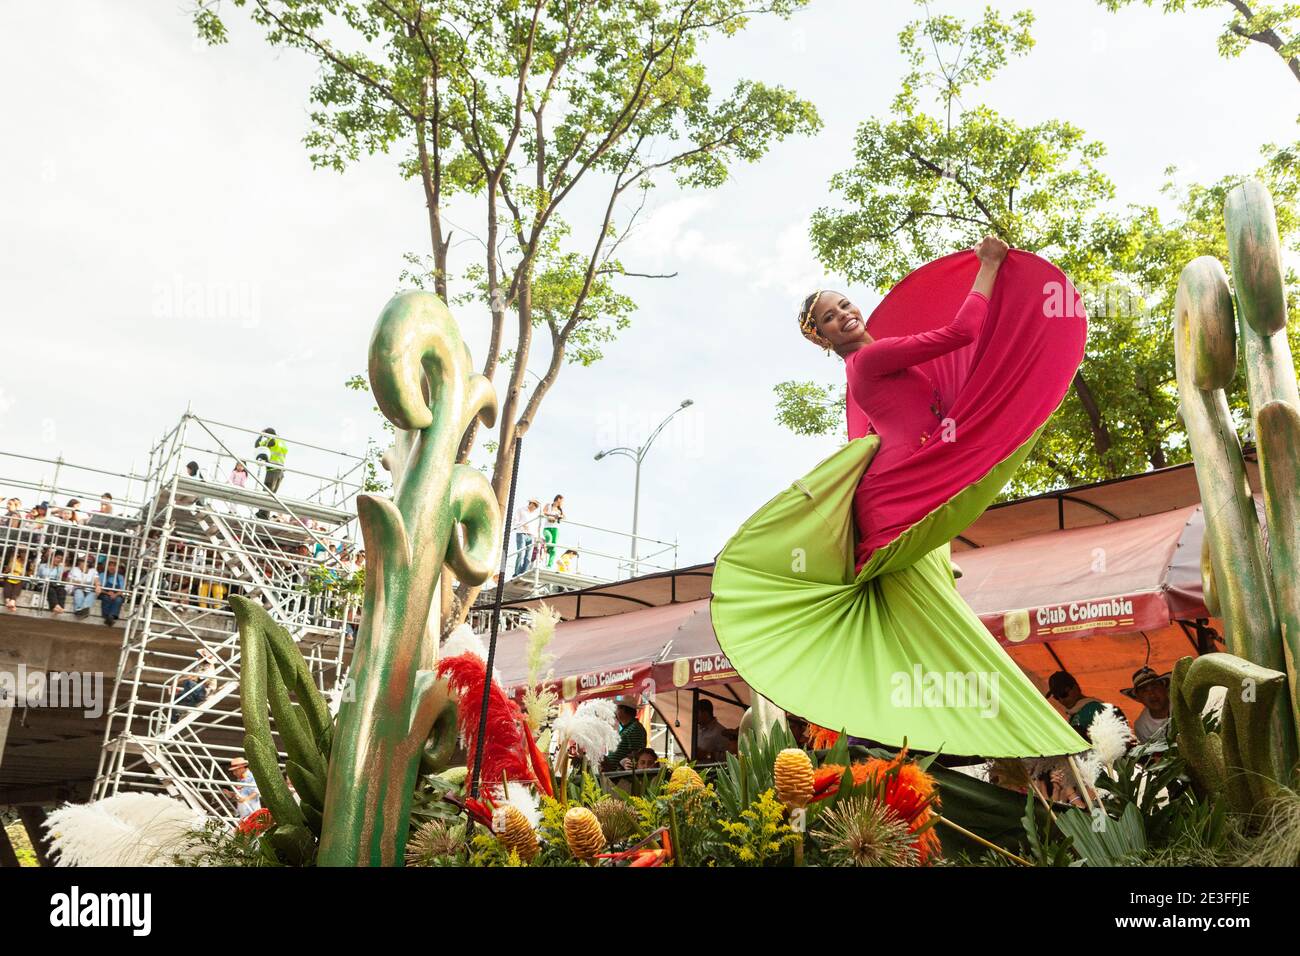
(357, 774)
(362, 783)
(1251, 579)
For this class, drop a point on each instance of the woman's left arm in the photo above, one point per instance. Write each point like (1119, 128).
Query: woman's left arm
(991, 251)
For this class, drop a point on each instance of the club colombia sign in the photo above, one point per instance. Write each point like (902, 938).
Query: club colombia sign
(679, 674)
(1132, 612)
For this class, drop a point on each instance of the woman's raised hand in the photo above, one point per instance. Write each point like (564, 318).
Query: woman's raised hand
(991, 251)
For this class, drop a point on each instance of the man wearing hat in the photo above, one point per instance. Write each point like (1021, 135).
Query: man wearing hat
(1151, 689)
(248, 798)
(1080, 710)
(523, 535)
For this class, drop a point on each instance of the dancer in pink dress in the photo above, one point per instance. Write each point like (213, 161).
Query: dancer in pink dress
(836, 599)
(890, 394)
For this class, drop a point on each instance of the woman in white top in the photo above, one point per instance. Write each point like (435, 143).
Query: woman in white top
(552, 515)
(84, 582)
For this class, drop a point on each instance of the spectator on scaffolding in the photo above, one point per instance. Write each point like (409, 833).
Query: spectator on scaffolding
(36, 518)
(14, 512)
(191, 689)
(277, 451)
(568, 563)
(192, 469)
(15, 571)
(248, 799)
(70, 513)
(106, 504)
(51, 572)
(239, 476)
(524, 535)
(83, 579)
(212, 593)
(552, 515)
(111, 591)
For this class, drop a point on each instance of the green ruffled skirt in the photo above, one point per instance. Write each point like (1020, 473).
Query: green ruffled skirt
(891, 653)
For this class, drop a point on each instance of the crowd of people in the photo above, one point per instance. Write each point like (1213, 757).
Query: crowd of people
(70, 556)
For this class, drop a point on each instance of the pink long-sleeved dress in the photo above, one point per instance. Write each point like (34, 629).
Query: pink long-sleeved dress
(891, 395)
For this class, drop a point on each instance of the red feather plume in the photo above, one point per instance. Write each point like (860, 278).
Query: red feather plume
(505, 751)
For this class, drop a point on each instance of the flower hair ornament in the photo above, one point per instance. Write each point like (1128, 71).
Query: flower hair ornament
(806, 323)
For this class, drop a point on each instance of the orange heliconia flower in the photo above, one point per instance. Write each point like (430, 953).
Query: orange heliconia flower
(819, 738)
(907, 790)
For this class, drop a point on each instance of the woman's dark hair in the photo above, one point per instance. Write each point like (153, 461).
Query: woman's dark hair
(807, 324)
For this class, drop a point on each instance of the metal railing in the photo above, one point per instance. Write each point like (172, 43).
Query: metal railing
(578, 555)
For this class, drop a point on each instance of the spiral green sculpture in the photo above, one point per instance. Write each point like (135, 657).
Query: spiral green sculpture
(1253, 587)
(356, 779)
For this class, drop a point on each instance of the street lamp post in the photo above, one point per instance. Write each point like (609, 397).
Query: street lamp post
(638, 455)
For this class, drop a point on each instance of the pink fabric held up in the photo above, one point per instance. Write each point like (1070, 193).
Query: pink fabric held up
(994, 371)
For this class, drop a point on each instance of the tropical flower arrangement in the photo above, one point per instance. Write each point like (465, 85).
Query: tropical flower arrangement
(773, 806)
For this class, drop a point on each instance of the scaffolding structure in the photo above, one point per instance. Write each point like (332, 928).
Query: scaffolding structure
(206, 531)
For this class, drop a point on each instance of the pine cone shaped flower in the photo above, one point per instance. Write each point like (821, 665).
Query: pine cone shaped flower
(583, 834)
(517, 834)
(684, 778)
(793, 773)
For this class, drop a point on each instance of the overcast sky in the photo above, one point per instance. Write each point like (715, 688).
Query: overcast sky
(165, 241)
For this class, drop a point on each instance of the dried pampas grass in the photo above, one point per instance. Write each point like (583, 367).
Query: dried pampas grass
(540, 703)
(1110, 736)
(129, 829)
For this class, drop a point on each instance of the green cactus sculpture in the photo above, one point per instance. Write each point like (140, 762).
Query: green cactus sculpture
(272, 669)
(1236, 760)
(1253, 587)
(356, 778)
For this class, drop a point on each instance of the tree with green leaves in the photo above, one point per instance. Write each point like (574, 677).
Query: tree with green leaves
(512, 112)
(1274, 25)
(925, 183)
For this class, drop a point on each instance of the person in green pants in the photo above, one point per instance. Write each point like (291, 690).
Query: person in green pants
(552, 515)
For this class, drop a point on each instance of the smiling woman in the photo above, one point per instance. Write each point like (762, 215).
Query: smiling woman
(842, 583)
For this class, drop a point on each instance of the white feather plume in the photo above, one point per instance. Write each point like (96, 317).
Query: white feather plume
(460, 640)
(463, 640)
(592, 726)
(1090, 765)
(129, 829)
(1110, 736)
(522, 798)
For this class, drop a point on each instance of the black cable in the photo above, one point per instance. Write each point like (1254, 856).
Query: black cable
(492, 639)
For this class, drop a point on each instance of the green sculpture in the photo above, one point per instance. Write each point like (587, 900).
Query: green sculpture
(1253, 587)
(1237, 760)
(271, 669)
(358, 777)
